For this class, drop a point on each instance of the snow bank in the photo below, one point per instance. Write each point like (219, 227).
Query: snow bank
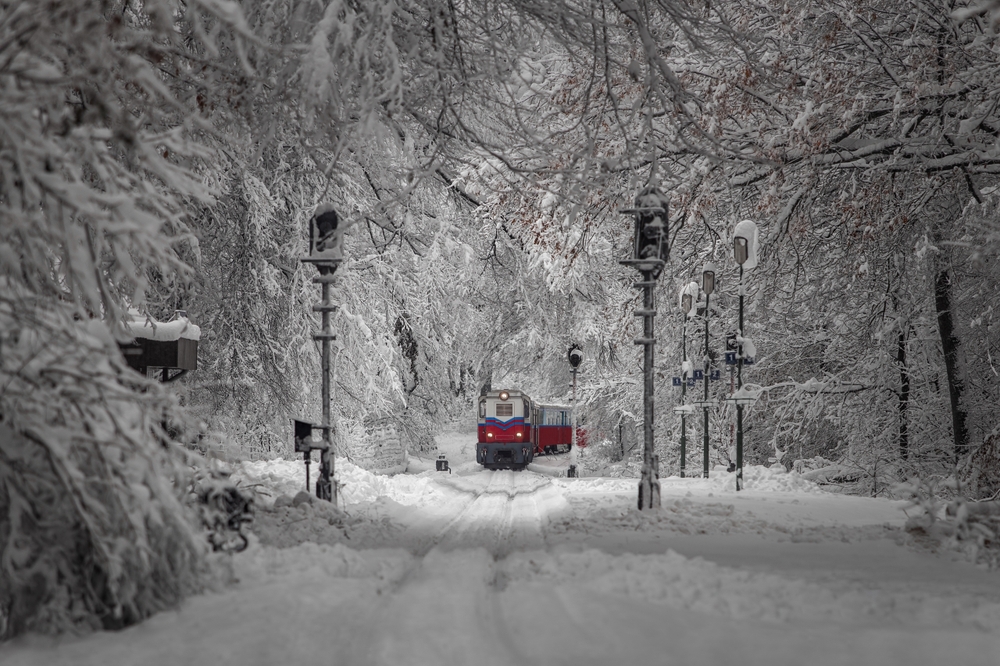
(767, 479)
(359, 485)
(597, 485)
(755, 477)
(270, 479)
(681, 516)
(697, 585)
(264, 562)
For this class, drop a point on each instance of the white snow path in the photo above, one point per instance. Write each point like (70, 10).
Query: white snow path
(446, 612)
(520, 568)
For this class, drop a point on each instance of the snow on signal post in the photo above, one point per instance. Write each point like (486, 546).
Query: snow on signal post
(326, 240)
(650, 250)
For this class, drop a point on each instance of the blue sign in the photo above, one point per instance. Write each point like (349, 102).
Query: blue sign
(715, 375)
(699, 374)
(690, 381)
(675, 381)
(730, 358)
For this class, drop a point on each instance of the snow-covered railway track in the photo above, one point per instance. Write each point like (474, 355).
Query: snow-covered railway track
(453, 581)
(502, 515)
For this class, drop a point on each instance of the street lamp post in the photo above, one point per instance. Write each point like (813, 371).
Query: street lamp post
(708, 286)
(650, 249)
(744, 245)
(685, 309)
(740, 252)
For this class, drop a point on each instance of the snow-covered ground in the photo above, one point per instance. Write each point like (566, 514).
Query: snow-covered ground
(478, 567)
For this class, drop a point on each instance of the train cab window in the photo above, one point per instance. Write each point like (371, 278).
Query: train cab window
(482, 409)
(527, 412)
(505, 409)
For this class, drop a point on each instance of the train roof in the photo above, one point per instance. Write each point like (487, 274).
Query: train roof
(514, 393)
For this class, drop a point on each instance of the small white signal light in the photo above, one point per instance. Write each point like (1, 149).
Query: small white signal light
(504, 395)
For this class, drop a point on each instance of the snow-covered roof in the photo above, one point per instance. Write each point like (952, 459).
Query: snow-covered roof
(143, 326)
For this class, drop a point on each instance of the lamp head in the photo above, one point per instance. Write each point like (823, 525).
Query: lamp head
(575, 356)
(741, 249)
(708, 278)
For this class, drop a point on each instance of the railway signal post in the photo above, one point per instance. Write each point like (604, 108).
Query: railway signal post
(650, 249)
(575, 356)
(326, 237)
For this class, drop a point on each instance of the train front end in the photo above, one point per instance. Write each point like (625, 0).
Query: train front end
(506, 430)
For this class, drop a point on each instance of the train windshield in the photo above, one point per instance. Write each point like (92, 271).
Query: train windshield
(504, 409)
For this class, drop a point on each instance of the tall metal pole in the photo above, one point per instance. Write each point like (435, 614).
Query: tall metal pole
(326, 253)
(649, 484)
(684, 359)
(650, 249)
(575, 357)
(704, 470)
(326, 487)
(573, 415)
(739, 385)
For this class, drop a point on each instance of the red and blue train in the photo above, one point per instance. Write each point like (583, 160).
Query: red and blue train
(513, 429)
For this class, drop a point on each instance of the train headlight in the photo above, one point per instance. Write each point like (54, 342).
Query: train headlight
(489, 435)
(504, 395)
(520, 434)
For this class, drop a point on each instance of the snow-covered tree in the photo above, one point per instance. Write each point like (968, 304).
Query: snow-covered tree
(99, 158)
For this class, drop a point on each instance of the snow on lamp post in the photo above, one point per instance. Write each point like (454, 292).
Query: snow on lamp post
(708, 286)
(575, 356)
(326, 238)
(650, 249)
(744, 248)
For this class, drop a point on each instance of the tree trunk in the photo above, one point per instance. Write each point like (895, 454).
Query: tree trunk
(950, 346)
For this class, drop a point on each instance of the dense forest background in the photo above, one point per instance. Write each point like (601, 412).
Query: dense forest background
(162, 155)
